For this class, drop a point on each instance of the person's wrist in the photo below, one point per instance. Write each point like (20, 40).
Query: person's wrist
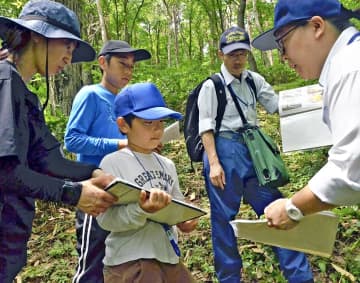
(293, 212)
(213, 160)
(71, 192)
(97, 172)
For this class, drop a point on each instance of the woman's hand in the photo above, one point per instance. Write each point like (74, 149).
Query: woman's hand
(93, 199)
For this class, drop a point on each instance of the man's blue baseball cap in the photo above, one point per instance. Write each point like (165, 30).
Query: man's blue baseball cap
(234, 38)
(289, 11)
(144, 101)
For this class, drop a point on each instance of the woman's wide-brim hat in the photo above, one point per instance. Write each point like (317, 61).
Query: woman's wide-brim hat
(52, 20)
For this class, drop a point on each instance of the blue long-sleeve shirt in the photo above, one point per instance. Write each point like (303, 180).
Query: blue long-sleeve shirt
(92, 131)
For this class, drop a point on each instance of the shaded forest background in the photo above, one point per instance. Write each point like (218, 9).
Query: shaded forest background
(182, 37)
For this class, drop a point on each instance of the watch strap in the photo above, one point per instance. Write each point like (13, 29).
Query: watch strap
(71, 192)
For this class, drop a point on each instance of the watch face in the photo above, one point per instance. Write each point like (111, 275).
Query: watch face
(294, 213)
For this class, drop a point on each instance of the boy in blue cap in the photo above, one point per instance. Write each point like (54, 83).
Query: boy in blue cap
(139, 250)
(92, 133)
(319, 42)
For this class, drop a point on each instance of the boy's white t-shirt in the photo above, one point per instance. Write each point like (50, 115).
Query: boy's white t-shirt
(132, 236)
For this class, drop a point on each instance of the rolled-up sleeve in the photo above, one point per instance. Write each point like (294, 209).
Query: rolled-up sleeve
(266, 94)
(207, 103)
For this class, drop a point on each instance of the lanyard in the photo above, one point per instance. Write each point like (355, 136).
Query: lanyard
(234, 96)
(166, 227)
(238, 107)
(245, 103)
(172, 240)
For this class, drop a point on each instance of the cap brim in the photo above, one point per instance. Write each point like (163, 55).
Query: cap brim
(157, 113)
(82, 53)
(139, 54)
(265, 41)
(235, 46)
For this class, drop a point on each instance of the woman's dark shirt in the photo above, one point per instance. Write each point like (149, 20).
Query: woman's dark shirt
(31, 163)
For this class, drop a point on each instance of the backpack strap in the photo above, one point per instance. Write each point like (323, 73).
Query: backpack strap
(221, 98)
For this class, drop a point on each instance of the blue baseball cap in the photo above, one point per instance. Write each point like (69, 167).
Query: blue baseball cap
(144, 101)
(290, 11)
(51, 20)
(234, 38)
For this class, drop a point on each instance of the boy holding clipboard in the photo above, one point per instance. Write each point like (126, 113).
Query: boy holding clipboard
(138, 249)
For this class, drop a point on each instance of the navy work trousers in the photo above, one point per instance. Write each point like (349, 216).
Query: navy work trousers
(241, 182)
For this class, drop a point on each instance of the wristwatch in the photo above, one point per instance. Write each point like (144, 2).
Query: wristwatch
(292, 211)
(71, 192)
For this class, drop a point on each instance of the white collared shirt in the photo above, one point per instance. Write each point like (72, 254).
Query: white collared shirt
(338, 181)
(207, 101)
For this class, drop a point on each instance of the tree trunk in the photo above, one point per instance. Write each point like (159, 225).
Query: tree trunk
(104, 36)
(213, 10)
(126, 23)
(134, 22)
(241, 23)
(241, 14)
(176, 21)
(265, 55)
(63, 87)
(170, 21)
(157, 42)
(117, 22)
(190, 30)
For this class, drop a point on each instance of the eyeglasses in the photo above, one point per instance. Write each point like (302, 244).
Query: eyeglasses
(280, 36)
(237, 54)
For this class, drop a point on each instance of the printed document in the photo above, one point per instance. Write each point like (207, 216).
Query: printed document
(301, 123)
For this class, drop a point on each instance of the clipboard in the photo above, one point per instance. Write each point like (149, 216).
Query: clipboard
(176, 212)
(315, 233)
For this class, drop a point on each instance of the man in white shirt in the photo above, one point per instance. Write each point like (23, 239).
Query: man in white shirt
(319, 42)
(228, 169)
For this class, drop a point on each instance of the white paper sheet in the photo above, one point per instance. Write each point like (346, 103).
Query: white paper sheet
(301, 124)
(171, 132)
(303, 131)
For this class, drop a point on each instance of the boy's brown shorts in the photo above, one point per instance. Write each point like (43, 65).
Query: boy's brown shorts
(147, 271)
